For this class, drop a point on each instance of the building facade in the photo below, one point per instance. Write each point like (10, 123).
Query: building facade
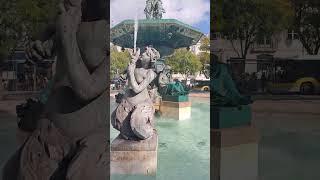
(282, 45)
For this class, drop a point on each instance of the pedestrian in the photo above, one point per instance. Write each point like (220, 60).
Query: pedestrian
(263, 81)
(259, 74)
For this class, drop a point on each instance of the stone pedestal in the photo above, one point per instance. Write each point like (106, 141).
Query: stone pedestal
(228, 117)
(176, 110)
(134, 157)
(234, 153)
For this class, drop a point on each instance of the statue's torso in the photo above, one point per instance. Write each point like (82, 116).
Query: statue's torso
(136, 98)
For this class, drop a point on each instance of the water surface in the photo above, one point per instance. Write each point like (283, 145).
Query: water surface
(184, 146)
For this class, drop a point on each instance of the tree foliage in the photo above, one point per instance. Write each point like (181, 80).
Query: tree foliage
(118, 61)
(184, 62)
(243, 21)
(306, 23)
(20, 20)
(205, 44)
(204, 58)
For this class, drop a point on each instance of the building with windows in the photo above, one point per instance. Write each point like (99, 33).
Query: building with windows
(282, 45)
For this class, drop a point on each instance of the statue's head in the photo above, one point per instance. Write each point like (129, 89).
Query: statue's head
(149, 56)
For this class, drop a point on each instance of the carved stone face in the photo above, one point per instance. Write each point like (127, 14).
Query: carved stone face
(149, 56)
(145, 59)
(92, 42)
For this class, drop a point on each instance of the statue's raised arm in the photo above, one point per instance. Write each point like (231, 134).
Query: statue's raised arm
(87, 71)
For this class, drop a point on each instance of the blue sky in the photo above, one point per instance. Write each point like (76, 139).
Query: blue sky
(193, 12)
(204, 26)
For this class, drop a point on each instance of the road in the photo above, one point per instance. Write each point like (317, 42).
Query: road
(290, 138)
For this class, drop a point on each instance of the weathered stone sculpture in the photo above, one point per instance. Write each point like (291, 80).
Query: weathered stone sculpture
(134, 117)
(154, 9)
(69, 141)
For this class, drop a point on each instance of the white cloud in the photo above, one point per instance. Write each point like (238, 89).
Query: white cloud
(187, 11)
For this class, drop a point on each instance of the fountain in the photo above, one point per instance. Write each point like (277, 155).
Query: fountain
(135, 33)
(165, 35)
(135, 150)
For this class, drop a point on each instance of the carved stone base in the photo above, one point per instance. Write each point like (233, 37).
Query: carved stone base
(181, 98)
(134, 157)
(175, 110)
(230, 117)
(235, 153)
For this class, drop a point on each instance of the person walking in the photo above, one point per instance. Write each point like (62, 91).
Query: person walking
(263, 81)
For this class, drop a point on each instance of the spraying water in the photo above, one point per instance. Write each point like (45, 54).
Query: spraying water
(135, 33)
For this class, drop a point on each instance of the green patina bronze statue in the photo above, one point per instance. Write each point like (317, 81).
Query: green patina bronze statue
(224, 90)
(175, 89)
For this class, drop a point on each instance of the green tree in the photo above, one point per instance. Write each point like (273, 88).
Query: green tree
(184, 62)
(118, 61)
(205, 44)
(21, 20)
(204, 58)
(306, 23)
(242, 22)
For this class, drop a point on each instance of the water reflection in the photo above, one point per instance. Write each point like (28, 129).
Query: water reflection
(184, 150)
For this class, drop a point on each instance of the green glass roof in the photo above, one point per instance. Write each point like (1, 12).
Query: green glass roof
(169, 33)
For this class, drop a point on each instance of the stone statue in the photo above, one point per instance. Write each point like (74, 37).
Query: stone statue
(155, 88)
(154, 9)
(69, 139)
(224, 90)
(134, 116)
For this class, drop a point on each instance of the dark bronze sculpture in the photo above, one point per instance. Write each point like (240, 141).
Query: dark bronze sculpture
(175, 89)
(224, 90)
